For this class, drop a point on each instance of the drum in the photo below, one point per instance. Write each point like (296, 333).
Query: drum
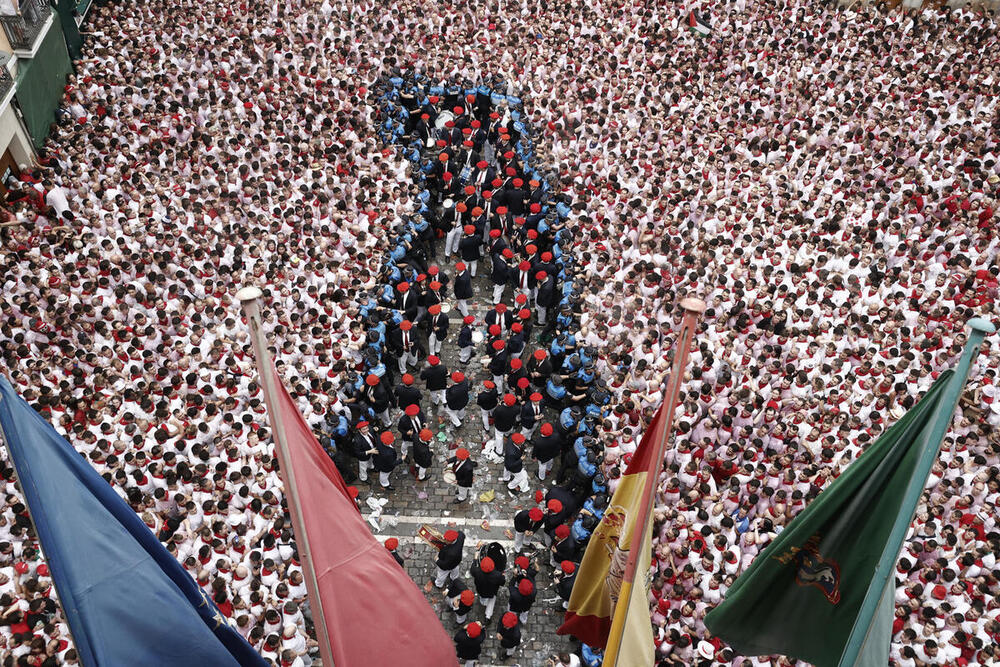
(449, 476)
(443, 118)
(477, 337)
(445, 308)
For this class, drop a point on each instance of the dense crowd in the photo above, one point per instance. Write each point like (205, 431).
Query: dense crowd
(825, 179)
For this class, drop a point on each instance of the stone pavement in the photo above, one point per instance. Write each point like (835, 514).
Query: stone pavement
(432, 502)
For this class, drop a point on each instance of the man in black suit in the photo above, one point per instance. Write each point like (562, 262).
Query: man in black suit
(406, 302)
(463, 288)
(449, 557)
(401, 341)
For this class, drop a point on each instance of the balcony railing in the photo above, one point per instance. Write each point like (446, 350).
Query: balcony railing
(6, 81)
(24, 27)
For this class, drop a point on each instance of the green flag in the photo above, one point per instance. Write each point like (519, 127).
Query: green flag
(823, 590)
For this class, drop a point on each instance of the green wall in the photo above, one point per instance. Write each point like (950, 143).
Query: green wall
(41, 81)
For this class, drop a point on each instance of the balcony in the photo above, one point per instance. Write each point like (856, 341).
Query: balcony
(6, 80)
(24, 27)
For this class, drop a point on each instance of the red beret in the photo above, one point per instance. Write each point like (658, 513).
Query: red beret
(535, 514)
(539, 494)
(498, 345)
(406, 325)
(387, 438)
(391, 543)
(523, 383)
(535, 208)
(462, 453)
(433, 269)
(517, 438)
(352, 491)
(473, 629)
(470, 189)
(525, 587)
(460, 267)
(362, 424)
(488, 384)
(539, 354)
(546, 428)
(402, 287)
(515, 364)
(434, 309)
(535, 397)
(457, 376)
(412, 410)
(507, 253)
(433, 360)
(501, 210)
(450, 535)
(494, 330)
(555, 506)
(468, 319)
(541, 275)
(562, 531)
(371, 380)
(467, 597)
(509, 619)
(407, 379)
(487, 564)
(425, 434)
(509, 399)
(568, 567)
(522, 562)
(469, 229)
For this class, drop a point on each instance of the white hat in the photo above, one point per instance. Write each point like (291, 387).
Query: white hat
(706, 649)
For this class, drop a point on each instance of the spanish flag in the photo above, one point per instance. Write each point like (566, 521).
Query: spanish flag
(609, 605)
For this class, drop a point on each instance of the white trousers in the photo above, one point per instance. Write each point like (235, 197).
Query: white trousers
(363, 468)
(498, 291)
(462, 493)
(488, 604)
(442, 576)
(519, 481)
(465, 354)
(451, 241)
(544, 468)
(456, 416)
(437, 397)
(463, 306)
(433, 345)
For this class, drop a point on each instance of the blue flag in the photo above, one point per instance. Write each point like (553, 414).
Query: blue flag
(127, 600)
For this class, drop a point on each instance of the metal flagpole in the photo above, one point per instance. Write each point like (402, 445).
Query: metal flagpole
(248, 297)
(941, 422)
(34, 529)
(693, 309)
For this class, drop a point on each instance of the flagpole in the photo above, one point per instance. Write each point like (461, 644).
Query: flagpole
(248, 297)
(693, 309)
(41, 551)
(941, 421)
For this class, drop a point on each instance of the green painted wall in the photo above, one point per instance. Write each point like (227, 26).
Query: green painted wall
(41, 81)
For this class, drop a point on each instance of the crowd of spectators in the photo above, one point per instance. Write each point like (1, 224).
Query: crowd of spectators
(824, 178)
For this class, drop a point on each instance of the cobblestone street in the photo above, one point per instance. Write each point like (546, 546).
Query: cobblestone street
(432, 502)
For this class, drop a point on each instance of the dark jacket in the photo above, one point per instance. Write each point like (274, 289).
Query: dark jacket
(457, 395)
(450, 555)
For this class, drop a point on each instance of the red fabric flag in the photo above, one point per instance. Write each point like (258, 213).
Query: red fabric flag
(375, 614)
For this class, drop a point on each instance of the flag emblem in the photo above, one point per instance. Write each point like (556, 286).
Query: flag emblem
(814, 570)
(611, 533)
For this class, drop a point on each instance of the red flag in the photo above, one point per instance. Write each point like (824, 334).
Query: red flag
(375, 614)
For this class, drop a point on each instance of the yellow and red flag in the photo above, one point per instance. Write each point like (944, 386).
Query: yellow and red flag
(609, 605)
(603, 594)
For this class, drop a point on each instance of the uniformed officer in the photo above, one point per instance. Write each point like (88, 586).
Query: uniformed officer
(488, 581)
(435, 377)
(462, 465)
(449, 557)
(422, 456)
(457, 398)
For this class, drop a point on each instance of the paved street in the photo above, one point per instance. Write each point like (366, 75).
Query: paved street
(432, 502)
